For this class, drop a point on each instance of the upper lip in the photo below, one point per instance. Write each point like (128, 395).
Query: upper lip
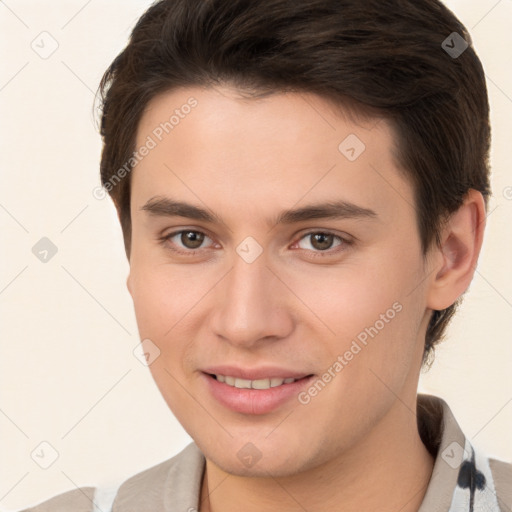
(262, 372)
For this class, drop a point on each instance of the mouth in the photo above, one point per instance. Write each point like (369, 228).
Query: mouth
(239, 383)
(254, 396)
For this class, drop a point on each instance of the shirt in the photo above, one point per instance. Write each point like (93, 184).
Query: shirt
(463, 479)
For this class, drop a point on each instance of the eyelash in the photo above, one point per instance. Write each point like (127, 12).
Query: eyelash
(164, 240)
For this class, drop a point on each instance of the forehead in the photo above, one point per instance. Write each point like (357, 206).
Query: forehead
(238, 153)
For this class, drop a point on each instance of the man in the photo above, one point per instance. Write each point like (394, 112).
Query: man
(302, 188)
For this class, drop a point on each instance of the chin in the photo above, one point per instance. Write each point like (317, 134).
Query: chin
(259, 459)
(272, 466)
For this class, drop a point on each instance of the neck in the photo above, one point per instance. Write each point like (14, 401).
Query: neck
(388, 470)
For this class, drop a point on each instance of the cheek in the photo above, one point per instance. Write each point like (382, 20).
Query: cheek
(169, 308)
(350, 296)
(163, 301)
(162, 297)
(367, 312)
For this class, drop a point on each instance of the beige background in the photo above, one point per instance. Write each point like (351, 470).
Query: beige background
(67, 369)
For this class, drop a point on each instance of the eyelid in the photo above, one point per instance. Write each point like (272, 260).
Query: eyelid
(342, 235)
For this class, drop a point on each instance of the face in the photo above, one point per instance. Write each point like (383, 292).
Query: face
(257, 281)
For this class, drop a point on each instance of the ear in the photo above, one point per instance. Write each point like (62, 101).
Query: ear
(457, 257)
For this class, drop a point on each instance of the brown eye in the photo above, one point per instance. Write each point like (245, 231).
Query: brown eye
(185, 241)
(320, 241)
(191, 239)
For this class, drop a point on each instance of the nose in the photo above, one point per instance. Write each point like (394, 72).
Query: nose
(251, 305)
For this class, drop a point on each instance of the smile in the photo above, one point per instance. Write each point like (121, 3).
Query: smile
(253, 384)
(255, 396)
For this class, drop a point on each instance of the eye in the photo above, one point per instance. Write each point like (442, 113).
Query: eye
(322, 241)
(189, 239)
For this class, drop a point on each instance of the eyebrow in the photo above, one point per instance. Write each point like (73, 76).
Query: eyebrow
(338, 209)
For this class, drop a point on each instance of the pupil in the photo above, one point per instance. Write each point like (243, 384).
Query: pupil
(196, 239)
(323, 236)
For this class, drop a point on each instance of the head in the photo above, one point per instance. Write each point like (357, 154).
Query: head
(247, 109)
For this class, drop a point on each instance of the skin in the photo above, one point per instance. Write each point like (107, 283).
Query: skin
(355, 446)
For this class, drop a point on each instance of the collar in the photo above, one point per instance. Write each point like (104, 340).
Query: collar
(462, 480)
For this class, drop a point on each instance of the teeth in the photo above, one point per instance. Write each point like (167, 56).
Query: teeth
(260, 384)
(254, 384)
(242, 383)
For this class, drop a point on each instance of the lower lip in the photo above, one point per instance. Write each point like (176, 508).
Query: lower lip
(254, 401)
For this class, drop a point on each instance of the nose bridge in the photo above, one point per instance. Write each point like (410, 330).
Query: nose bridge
(246, 306)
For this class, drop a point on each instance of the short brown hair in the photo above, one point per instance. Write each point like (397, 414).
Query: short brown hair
(391, 59)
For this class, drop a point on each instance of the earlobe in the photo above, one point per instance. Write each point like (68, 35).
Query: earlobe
(461, 241)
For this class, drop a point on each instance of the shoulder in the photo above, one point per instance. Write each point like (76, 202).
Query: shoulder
(176, 480)
(502, 476)
(78, 500)
(181, 472)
